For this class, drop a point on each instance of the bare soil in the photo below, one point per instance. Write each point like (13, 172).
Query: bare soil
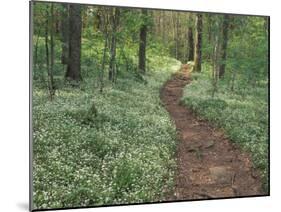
(208, 164)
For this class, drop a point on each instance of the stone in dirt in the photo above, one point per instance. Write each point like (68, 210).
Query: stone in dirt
(194, 148)
(209, 144)
(221, 174)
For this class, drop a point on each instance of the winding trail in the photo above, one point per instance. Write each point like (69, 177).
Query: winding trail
(208, 164)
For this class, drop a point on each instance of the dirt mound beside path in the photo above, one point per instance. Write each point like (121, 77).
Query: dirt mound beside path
(208, 164)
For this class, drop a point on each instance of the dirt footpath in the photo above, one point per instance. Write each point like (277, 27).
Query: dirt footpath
(208, 164)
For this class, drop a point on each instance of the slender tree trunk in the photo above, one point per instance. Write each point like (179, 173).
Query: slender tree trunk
(209, 24)
(190, 44)
(185, 44)
(36, 50)
(125, 58)
(98, 20)
(216, 54)
(225, 26)
(75, 24)
(198, 43)
(112, 62)
(142, 44)
(103, 62)
(163, 32)
(175, 50)
(104, 22)
(215, 65)
(177, 36)
(65, 34)
(47, 42)
(52, 43)
(49, 69)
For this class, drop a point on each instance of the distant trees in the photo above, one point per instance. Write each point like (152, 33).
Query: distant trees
(73, 71)
(198, 43)
(120, 41)
(142, 42)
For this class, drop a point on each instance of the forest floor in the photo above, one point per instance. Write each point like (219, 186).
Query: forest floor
(208, 164)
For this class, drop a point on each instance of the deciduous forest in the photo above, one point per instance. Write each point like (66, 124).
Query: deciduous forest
(133, 105)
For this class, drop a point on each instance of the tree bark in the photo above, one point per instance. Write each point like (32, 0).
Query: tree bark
(225, 26)
(142, 44)
(198, 43)
(75, 25)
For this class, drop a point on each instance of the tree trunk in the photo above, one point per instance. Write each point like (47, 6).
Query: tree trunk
(65, 34)
(36, 50)
(98, 20)
(190, 44)
(49, 69)
(209, 24)
(51, 74)
(57, 22)
(104, 23)
(163, 32)
(75, 24)
(112, 62)
(142, 44)
(174, 35)
(215, 69)
(47, 43)
(216, 53)
(198, 43)
(177, 36)
(225, 26)
(103, 62)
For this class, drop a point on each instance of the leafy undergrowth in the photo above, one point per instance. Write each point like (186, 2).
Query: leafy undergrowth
(124, 155)
(243, 114)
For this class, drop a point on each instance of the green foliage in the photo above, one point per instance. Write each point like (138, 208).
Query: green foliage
(122, 155)
(247, 47)
(243, 115)
(248, 56)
